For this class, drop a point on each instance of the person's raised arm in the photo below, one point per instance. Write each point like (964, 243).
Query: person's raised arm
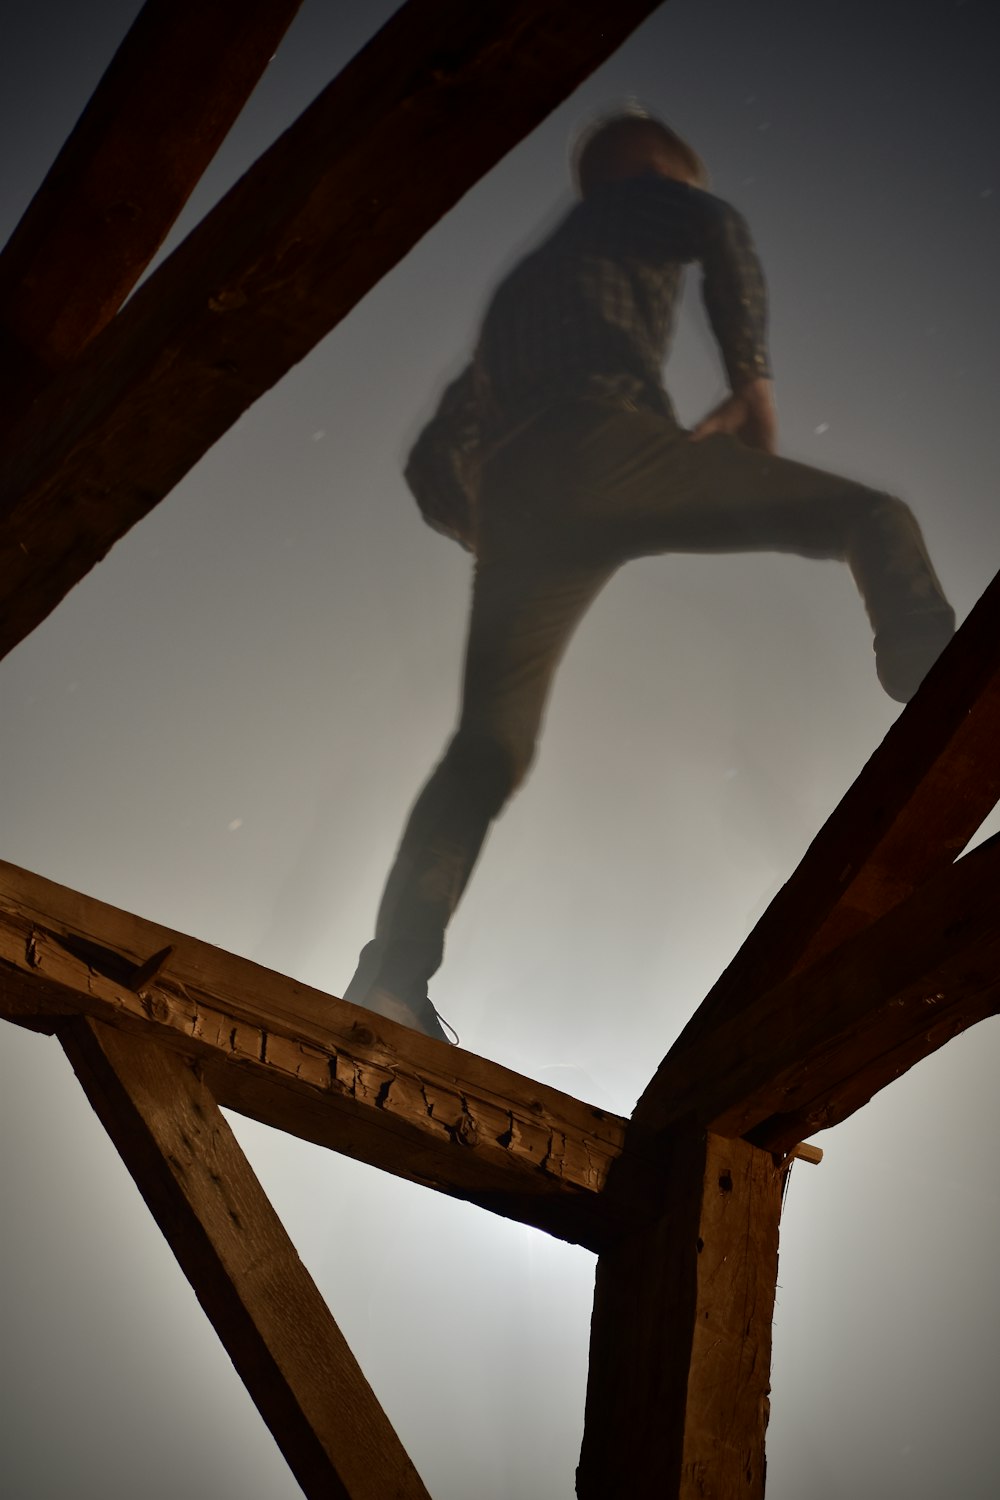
(736, 302)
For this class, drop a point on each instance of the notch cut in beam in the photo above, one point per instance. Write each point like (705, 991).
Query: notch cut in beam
(245, 1271)
(155, 120)
(313, 1065)
(818, 1047)
(919, 800)
(437, 97)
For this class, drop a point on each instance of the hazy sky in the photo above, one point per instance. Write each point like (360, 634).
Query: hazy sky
(223, 726)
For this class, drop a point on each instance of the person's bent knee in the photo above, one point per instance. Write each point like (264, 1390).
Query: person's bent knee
(492, 768)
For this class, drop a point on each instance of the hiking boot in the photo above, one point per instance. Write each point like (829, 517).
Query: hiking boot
(407, 1002)
(905, 652)
(419, 1015)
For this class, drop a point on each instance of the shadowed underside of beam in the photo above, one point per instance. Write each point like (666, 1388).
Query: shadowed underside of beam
(438, 96)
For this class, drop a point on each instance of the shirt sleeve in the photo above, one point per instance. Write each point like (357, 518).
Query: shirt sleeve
(734, 291)
(663, 218)
(442, 470)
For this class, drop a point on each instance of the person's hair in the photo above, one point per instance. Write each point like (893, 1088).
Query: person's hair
(596, 153)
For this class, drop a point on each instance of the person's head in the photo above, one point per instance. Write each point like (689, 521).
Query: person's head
(630, 145)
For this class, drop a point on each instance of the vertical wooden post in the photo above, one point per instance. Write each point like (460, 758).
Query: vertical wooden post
(677, 1400)
(233, 1248)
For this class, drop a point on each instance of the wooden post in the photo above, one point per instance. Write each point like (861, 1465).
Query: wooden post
(677, 1401)
(231, 1245)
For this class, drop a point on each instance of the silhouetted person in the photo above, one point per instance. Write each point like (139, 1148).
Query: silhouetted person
(556, 457)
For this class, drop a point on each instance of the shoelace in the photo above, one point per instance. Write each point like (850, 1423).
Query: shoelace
(447, 1024)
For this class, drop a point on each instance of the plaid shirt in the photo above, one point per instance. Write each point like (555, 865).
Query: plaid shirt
(591, 313)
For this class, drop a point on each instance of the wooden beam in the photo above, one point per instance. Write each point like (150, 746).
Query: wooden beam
(311, 1064)
(156, 119)
(917, 803)
(244, 1269)
(677, 1399)
(812, 1051)
(435, 99)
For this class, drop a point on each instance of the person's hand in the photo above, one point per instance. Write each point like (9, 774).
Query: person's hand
(747, 414)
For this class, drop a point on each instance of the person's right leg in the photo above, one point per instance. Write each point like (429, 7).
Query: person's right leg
(643, 486)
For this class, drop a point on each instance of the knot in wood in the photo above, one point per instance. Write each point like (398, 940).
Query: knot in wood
(467, 1131)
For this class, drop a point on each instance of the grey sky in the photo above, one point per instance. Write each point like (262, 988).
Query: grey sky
(224, 724)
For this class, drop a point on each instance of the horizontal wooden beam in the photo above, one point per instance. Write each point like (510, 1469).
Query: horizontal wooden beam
(245, 1271)
(438, 96)
(920, 799)
(812, 1051)
(156, 119)
(311, 1064)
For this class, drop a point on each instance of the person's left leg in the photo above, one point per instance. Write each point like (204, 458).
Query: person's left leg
(525, 607)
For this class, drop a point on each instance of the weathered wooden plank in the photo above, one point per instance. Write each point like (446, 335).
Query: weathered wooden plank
(918, 801)
(813, 1050)
(433, 101)
(311, 1064)
(156, 119)
(677, 1399)
(244, 1269)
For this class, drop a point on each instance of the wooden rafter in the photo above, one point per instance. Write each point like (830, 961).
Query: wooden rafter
(231, 1245)
(154, 122)
(434, 100)
(809, 1053)
(311, 1064)
(914, 807)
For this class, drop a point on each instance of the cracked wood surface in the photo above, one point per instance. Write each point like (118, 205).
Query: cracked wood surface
(165, 104)
(308, 1063)
(916, 804)
(680, 1351)
(433, 101)
(245, 1271)
(812, 1051)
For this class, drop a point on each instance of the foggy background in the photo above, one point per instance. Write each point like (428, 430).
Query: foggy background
(224, 725)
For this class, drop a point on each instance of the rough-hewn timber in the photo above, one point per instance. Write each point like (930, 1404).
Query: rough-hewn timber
(812, 1051)
(912, 810)
(311, 1064)
(231, 1245)
(433, 101)
(154, 122)
(680, 1351)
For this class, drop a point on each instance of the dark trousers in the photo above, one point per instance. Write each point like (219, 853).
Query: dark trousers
(587, 486)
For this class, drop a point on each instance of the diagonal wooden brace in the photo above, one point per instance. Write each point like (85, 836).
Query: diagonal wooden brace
(245, 1271)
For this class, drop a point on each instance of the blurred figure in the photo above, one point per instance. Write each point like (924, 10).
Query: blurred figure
(556, 456)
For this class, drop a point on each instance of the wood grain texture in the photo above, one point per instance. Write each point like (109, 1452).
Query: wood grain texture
(438, 96)
(313, 1065)
(156, 119)
(916, 804)
(245, 1271)
(813, 1050)
(677, 1400)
